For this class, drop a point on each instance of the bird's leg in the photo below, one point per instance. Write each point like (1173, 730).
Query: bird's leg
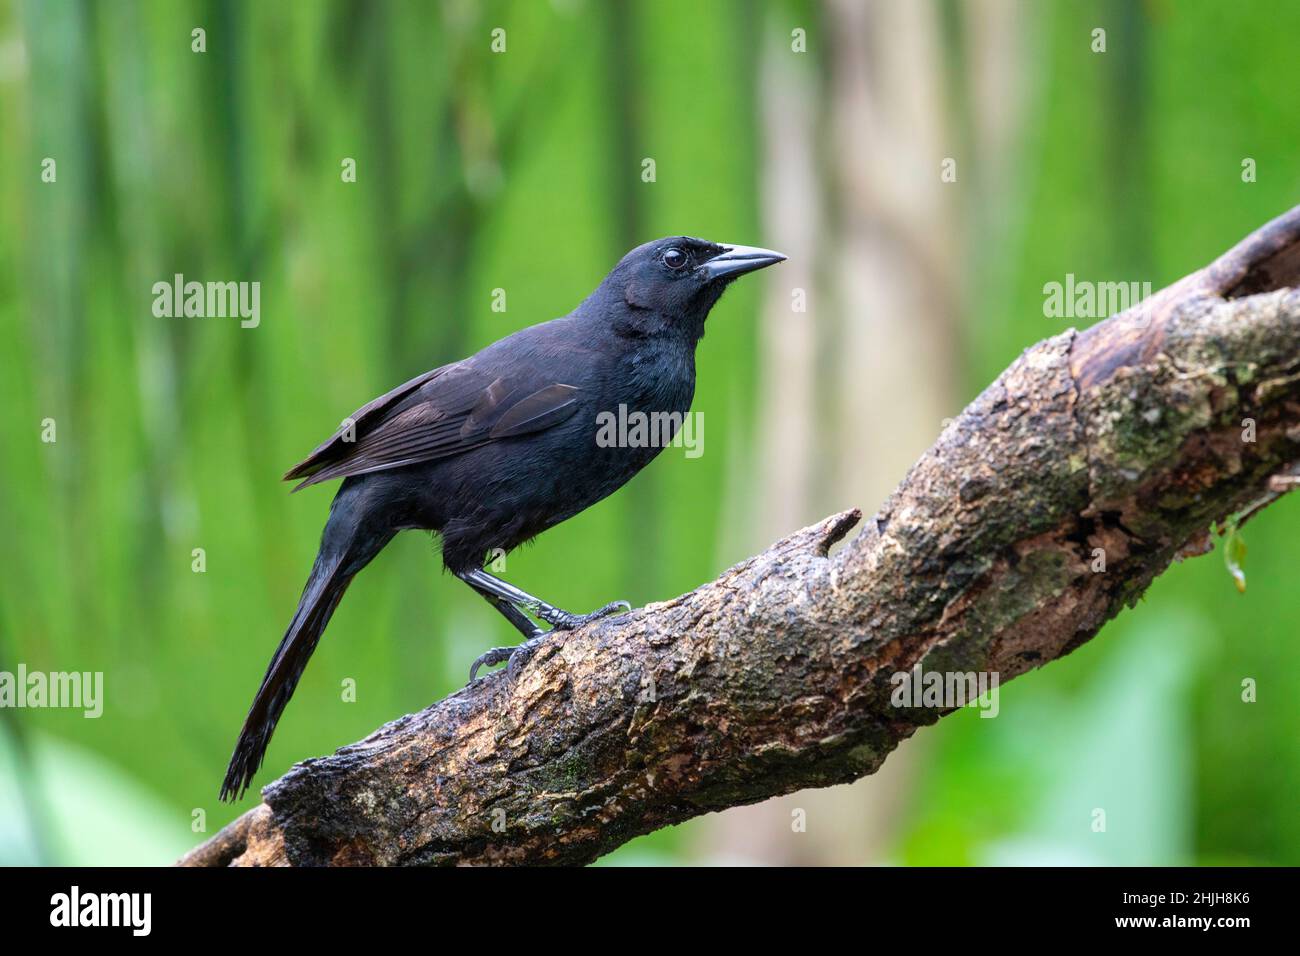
(509, 600)
(520, 621)
(512, 614)
(559, 619)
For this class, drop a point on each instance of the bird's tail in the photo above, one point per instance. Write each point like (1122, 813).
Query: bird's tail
(342, 555)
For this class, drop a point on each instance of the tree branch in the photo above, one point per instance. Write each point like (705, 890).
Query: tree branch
(1125, 441)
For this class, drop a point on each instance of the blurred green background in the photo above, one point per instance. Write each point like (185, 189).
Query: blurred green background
(815, 128)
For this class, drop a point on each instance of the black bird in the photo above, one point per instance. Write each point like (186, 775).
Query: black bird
(493, 450)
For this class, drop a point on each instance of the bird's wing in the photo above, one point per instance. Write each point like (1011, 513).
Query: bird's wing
(436, 415)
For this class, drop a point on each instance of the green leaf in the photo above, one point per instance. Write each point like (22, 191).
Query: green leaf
(1234, 552)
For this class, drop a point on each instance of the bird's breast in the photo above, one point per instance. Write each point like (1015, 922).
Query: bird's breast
(661, 377)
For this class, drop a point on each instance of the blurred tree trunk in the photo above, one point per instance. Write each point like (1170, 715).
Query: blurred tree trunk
(872, 233)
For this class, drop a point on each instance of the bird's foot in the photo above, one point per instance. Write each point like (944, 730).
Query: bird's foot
(564, 621)
(559, 620)
(517, 657)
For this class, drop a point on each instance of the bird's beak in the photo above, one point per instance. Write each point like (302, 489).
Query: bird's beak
(737, 260)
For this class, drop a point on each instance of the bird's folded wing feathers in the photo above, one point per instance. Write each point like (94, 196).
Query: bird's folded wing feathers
(540, 409)
(439, 414)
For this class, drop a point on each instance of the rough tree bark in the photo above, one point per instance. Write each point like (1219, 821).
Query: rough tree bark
(1127, 437)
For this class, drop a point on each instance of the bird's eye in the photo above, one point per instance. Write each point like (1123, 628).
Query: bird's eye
(675, 259)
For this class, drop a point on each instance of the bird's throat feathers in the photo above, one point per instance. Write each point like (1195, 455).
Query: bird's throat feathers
(639, 315)
(660, 377)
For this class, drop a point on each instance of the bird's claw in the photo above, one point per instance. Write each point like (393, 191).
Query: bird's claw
(564, 621)
(490, 658)
(520, 654)
(517, 657)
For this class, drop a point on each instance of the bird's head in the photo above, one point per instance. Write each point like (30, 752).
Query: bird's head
(668, 286)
